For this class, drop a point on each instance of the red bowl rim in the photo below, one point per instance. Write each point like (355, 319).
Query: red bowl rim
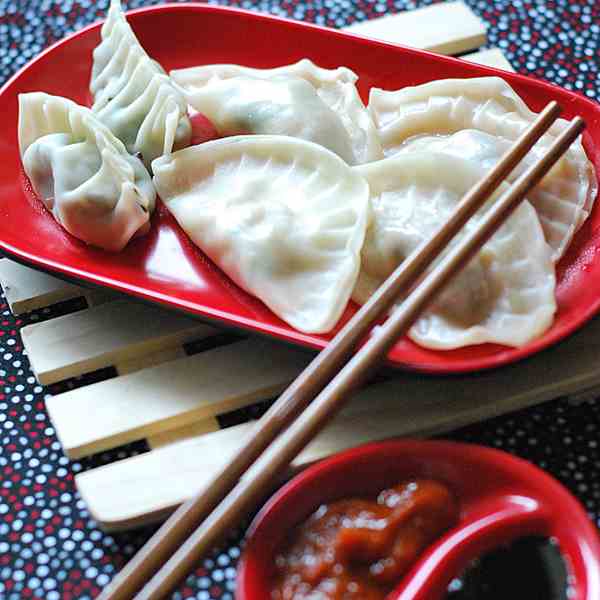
(549, 489)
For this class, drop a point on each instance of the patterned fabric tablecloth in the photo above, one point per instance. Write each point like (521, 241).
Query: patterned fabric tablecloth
(49, 546)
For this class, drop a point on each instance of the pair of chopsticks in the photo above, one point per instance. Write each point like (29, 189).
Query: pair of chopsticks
(325, 385)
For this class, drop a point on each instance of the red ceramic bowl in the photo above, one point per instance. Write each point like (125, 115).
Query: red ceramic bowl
(501, 499)
(165, 267)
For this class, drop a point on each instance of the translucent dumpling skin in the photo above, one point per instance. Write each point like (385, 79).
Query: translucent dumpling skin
(82, 172)
(284, 218)
(505, 294)
(416, 116)
(225, 92)
(280, 106)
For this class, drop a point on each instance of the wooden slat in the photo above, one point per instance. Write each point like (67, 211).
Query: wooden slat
(585, 395)
(98, 296)
(27, 289)
(102, 336)
(116, 411)
(154, 483)
(448, 28)
(180, 434)
(492, 57)
(149, 360)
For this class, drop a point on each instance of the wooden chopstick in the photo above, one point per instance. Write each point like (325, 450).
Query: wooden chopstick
(175, 531)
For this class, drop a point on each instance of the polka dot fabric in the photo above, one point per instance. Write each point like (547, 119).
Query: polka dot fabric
(49, 546)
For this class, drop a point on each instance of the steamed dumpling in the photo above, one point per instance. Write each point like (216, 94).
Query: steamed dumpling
(132, 94)
(82, 172)
(283, 105)
(505, 294)
(284, 218)
(489, 105)
(215, 89)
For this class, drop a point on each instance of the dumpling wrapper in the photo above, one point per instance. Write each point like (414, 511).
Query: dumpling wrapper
(283, 105)
(205, 88)
(96, 190)
(133, 96)
(505, 295)
(563, 199)
(284, 218)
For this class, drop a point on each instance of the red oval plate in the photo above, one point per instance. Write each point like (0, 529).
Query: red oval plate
(165, 267)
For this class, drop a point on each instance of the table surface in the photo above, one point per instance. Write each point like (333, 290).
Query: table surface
(49, 546)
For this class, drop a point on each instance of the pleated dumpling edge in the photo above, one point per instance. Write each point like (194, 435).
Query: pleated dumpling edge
(82, 173)
(132, 94)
